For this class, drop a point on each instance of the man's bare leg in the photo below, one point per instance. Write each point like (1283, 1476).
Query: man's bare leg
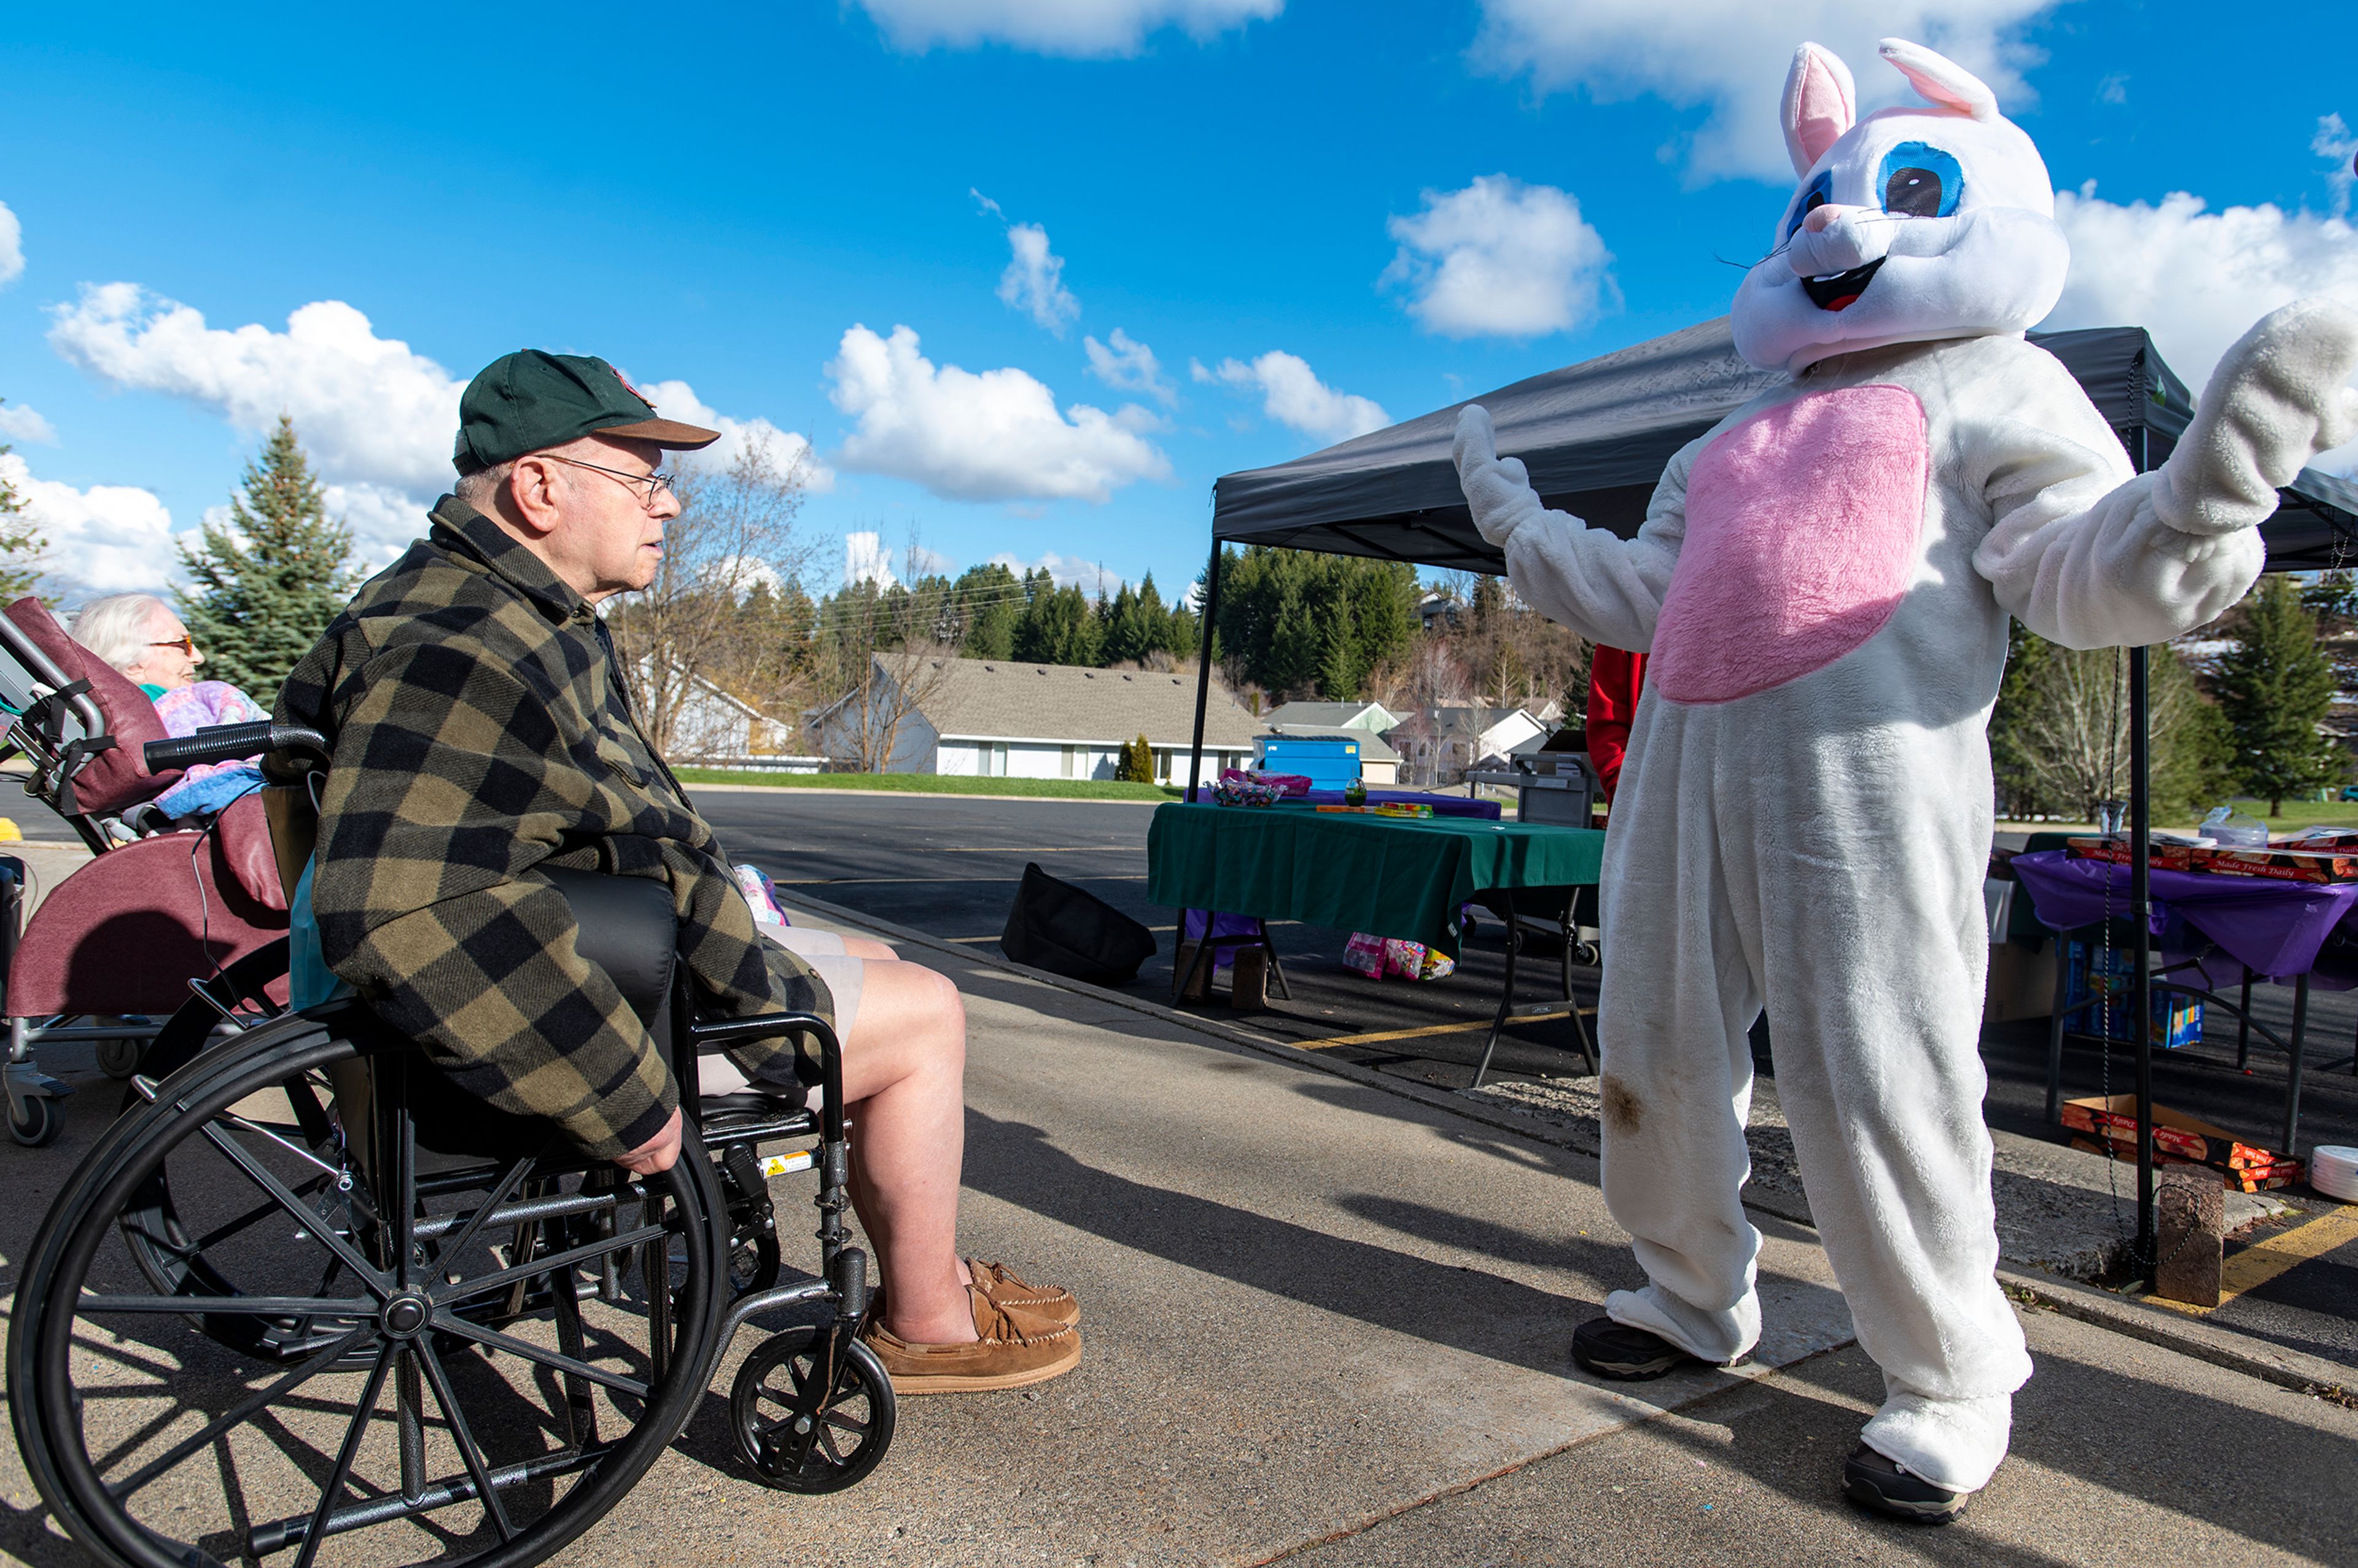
(904, 1081)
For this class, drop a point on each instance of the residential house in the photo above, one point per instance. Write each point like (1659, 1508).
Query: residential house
(1437, 745)
(1368, 718)
(998, 719)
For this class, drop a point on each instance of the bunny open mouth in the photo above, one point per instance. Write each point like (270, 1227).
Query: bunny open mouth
(1839, 290)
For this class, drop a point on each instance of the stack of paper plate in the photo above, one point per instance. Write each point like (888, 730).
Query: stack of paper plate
(2333, 1171)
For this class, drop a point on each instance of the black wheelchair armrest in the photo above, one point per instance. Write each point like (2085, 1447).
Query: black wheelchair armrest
(716, 1035)
(226, 742)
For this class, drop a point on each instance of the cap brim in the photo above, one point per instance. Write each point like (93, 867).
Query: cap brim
(668, 433)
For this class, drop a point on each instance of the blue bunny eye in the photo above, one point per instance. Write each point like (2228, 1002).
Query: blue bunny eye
(1819, 192)
(1918, 180)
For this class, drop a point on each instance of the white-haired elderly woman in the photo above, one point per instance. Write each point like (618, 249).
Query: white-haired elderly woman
(139, 635)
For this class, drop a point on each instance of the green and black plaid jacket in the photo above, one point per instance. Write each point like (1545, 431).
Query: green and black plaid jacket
(481, 731)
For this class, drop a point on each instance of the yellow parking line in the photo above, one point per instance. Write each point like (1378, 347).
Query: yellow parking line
(1385, 1037)
(2264, 1260)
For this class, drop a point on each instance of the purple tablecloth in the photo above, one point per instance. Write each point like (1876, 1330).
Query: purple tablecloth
(2274, 929)
(1443, 805)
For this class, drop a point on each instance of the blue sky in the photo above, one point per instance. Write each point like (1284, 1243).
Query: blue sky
(1313, 216)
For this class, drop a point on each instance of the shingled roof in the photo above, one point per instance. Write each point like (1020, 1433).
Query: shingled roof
(998, 700)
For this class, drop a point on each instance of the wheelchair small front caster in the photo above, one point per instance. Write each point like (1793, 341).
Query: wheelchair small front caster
(34, 1121)
(118, 1059)
(848, 1432)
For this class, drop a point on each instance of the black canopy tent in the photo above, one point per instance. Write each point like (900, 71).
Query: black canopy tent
(1595, 437)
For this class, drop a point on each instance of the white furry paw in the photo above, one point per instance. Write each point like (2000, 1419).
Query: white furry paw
(2279, 397)
(1498, 489)
(1956, 1444)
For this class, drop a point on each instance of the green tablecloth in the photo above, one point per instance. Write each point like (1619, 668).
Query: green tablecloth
(1386, 876)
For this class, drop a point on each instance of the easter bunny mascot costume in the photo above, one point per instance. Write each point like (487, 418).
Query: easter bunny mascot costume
(1823, 580)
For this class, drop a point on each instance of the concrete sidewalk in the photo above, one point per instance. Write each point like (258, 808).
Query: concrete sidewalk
(1323, 1320)
(1329, 1321)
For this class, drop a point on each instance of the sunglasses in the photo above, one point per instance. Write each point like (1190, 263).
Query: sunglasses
(184, 642)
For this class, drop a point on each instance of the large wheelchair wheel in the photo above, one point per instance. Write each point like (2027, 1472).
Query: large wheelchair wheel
(443, 1358)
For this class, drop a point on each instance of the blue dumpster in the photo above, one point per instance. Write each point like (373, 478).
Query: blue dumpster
(1329, 762)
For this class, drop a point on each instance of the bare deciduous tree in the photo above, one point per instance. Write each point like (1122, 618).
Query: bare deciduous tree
(880, 659)
(687, 632)
(2074, 730)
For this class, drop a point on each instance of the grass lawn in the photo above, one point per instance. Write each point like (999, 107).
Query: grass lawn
(936, 783)
(2298, 814)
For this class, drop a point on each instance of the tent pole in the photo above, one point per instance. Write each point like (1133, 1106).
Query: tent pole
(1203, 666)
(2141, 917)
(2148, 1246)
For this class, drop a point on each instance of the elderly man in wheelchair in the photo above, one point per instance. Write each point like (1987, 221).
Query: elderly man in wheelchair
(449, 1253)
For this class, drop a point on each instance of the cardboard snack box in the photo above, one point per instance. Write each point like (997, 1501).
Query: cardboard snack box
(2174, 1132)
(2284, 865)
(2162, 853)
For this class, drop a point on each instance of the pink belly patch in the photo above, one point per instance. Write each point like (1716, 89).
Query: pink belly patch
(1802, 534)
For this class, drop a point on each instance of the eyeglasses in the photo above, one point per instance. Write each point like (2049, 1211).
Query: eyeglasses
(184, 642)
(657, 484)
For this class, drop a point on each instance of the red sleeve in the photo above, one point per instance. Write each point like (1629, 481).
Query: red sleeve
(1614, 679)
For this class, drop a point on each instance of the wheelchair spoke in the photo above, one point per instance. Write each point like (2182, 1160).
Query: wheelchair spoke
(226, 1306)
(498, 1195)
(368, 1273)
(449, 1322)
(263, 1210)
(317, 1531)
(464, 1435)
(286, 1383)
(571, 1257)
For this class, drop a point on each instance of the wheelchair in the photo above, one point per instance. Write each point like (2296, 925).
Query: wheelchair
(111, 954)
(309, 1291)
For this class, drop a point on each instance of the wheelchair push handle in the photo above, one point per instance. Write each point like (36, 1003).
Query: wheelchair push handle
(227, 743)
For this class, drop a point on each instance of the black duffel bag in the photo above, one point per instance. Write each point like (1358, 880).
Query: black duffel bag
(1066, 931)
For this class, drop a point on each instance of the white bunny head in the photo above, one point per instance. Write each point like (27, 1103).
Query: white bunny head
(1910, 225)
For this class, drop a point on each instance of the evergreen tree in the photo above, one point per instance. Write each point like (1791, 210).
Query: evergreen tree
(2275, 688)
(1136, 764)
(21, 543)
(1059, 628)
(264, 588)
(989, 601)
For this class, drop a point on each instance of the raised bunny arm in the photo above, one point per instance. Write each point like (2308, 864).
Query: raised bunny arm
(2087, 556)
(1606, 589)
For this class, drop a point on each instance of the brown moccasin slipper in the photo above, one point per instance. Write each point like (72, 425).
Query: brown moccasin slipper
(1016, 1349)
(1001, 1285)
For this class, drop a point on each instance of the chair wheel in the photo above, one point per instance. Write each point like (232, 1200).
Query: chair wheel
(118, 1059)
(855, 1422)
(36, 1123)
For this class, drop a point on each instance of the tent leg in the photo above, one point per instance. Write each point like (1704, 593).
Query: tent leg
(1203, 668)
(2141, 982)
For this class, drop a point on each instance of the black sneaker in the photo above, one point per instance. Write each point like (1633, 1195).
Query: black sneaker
(1622, 1354)
(1884, 1486)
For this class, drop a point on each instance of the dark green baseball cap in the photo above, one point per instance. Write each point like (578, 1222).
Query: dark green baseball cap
(529, 401)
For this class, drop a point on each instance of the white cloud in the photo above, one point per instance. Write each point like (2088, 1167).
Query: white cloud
(368, 409)
(996, 436)
(1033, 282)
(677, 400)
(1293, 394)
(1730, 56)
(865, 560)
(2195, 278)
(23, 424)
(2339, 148)
(1075, 27)
(382, 521)
(1129, 365)
(109, 538)
(1501, 259)
(11, 246)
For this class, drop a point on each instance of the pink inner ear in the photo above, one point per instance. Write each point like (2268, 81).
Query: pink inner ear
(1818, 106)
